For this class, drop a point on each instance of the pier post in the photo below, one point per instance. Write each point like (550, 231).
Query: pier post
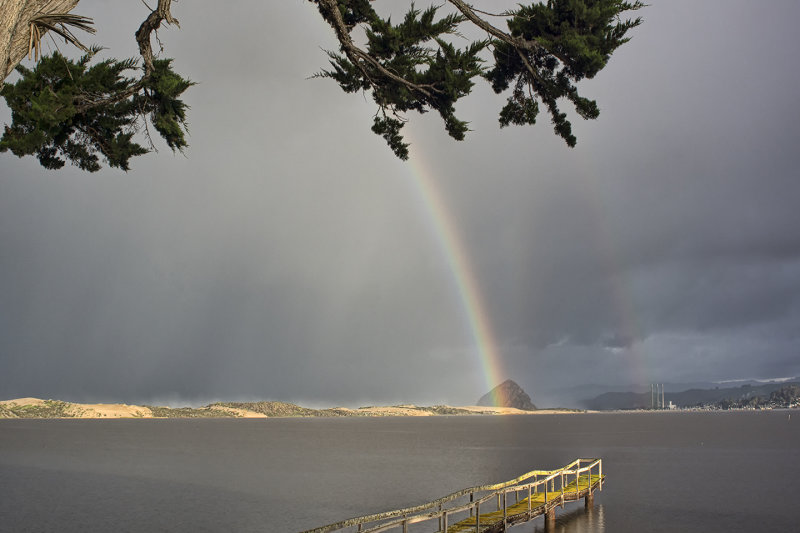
(588, 501)
(600, 475)
(529, 502)
(504, 510)
(550, 520)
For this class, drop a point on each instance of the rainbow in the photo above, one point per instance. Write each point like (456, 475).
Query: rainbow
(466, 284)
(444, 228)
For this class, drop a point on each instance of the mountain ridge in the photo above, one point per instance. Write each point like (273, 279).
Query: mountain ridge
(688, 398)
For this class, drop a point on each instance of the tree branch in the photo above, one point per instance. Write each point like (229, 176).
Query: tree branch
(358, 56)
(468, 12)
(150, 24)
(516, 42)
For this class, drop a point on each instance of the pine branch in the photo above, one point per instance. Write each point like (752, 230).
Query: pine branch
(68, 110)
(360, 58)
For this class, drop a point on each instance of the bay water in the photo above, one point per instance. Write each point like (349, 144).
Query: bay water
(667, 471)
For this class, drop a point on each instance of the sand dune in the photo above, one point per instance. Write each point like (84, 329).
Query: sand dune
(22, 401)
(110, 410)
(396, 410)
(38, 408)
(240, 413)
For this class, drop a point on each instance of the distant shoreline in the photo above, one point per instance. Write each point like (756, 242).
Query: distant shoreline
(36, 408)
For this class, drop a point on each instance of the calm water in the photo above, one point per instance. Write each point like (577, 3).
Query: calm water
(709, 472)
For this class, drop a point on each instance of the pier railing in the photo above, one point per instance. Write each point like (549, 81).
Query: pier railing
(487, 507)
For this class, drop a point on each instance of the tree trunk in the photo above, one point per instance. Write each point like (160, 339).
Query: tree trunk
(15, 28)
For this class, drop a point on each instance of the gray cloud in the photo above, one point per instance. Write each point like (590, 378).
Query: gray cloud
(289, 256)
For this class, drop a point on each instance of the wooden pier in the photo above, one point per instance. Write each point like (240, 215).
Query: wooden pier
(489, 508)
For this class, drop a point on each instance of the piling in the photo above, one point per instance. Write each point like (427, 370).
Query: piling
(550, 520)
(588, 501)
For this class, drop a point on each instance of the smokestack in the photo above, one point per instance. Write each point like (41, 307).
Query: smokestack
(663, 405)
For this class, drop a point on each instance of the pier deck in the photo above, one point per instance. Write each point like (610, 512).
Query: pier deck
(518, 512)
(489, 508)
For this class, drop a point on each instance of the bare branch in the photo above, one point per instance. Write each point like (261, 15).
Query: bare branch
(151, 24)
(146, 29)
(468, 12)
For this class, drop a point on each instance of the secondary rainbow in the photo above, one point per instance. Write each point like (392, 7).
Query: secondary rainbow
(466, 285)
(621, 306)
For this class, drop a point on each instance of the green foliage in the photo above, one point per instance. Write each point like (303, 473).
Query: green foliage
(785, 396)
(553, 45)
(575, 39)
(446, 410)
(66, 110)
(355, 12)
(159, 99)
(280, 409)
(188, 412)
(412, 68)
(389, 129)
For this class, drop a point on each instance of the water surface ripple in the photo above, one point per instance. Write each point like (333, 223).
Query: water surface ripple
(704, 472)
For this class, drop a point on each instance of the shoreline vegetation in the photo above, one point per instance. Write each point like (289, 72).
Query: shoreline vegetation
(38, 408)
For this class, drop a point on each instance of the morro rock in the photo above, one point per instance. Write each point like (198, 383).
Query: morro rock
(507, 394)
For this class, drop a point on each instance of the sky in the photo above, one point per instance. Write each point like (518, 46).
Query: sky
(289, 255)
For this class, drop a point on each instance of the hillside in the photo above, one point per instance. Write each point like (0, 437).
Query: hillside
(507, 394)
(687, 398)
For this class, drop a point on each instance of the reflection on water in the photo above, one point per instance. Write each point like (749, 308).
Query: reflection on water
(573, 519)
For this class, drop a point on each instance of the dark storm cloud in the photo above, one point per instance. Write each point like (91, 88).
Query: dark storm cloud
(672, 219)
(289, 256)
